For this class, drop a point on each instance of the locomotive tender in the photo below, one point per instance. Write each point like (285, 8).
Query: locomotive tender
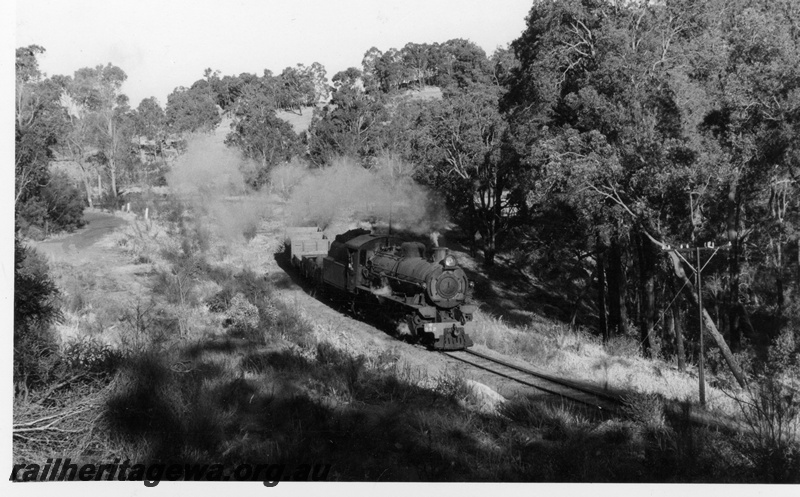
(384, 274)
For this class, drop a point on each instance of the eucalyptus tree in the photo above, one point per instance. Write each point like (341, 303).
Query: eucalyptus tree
(459, 144)
(150, 119)
(596, 91)
(38, 122)
(259, 134)
(746, 66)
(351, 125)
(100, 119)
(40, 126)
(192, 110)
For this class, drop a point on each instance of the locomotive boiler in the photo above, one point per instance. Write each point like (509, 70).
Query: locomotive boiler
(428, 292)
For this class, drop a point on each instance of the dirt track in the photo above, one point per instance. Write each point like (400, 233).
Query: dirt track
(80, 246)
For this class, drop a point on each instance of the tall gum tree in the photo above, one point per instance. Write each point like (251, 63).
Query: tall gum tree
(461, 150)
(596, 84)
(745, 66)
(260, 134)
(351, 124)
(40, 124)
(101, 109)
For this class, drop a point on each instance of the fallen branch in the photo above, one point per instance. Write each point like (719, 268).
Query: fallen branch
(46, 418)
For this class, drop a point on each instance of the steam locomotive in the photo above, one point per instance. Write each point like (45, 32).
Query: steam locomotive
(387, 275)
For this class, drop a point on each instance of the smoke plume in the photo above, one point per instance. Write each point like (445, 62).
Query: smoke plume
(208, 176)
(346, 195)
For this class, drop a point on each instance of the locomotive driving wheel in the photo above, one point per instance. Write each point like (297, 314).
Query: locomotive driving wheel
(412, 326)
(416, 326)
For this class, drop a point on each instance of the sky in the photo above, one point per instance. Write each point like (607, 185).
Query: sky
(163, 44)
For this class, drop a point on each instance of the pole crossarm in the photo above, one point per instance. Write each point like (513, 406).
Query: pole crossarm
(694, 297)
(699, 278)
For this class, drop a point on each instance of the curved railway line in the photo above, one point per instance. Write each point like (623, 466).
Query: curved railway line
(603, 402)
(592, 397)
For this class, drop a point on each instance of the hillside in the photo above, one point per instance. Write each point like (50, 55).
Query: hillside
(203, 346)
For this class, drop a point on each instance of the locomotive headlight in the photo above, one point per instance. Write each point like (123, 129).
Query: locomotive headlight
(449, 261)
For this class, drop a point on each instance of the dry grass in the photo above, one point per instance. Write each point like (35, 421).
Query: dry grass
(299, 121)
(240, 371)
(580, 356)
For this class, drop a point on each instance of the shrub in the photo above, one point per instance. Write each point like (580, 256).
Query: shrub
(647, 409)
(178, 284)
(63, 203)
(451, 386)
(91, 356)
(241, 315)
(220, 301)
(772, 415)
(35, 310)
(30, 217)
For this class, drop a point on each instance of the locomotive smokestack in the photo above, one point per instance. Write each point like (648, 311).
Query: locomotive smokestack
(439, 253)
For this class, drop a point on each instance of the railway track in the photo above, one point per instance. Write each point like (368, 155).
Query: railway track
(594, 398)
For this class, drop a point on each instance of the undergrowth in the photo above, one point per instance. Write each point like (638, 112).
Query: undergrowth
(211, 366)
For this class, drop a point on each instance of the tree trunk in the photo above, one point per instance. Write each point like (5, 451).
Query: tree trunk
(113, 171)
(617, 291)
(87, 181)
(601, 294)
(732, 225)
(87, 184)
(495, 213)
(647, 278)
(779, 274)
(676, 314)
(488, 253)
(490, 240)
(473, 229)
(669, 325)
(677, 319)
(709, 325)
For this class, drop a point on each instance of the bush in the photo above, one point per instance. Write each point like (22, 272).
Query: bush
(241, 316)
(220, 301)
(59, 206)
(451, 386)
(31, 215)
(91, 356)
(772, 414)
(178, 284)
(35, 310)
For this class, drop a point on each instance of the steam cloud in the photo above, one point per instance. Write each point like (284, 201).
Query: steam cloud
(209, 177)
(208, 168)
(346, 195)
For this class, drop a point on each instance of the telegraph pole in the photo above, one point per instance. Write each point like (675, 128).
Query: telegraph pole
(698, 270)
(701, 371)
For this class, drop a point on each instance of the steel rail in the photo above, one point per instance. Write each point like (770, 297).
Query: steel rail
(592, 401)
(560, 381)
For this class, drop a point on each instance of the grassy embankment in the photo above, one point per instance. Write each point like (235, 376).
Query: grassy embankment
(197, 358)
